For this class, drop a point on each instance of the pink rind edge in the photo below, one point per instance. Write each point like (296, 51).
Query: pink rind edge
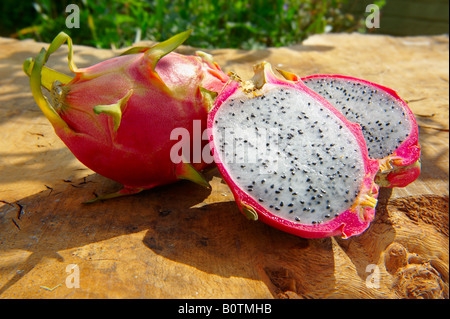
(409, 151)
(412, 141)
(354, 225)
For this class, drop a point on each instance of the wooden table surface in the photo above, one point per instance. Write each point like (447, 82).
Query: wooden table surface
(182, 241)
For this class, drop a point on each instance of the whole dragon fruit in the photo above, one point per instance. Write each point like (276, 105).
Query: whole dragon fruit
(118, 116)
(388, 125)
(291, 159)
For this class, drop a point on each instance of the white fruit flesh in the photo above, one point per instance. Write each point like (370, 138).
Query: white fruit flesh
(383, 120)
(291, 154)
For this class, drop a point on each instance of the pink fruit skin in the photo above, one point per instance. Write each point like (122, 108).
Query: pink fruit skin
(137, 155)
(349, 223)
(407, 153)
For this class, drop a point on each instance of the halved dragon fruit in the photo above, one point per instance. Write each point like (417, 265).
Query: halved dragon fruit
(388, 125)
(118, 116)
(291, 159)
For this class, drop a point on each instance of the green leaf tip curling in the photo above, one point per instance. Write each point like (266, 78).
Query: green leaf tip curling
(121, 193)
(48, 76)
(41, 100)
(185, 170)
(208, 97)
(41, 76)
(249, 212)
(114, 110)
(159, 50)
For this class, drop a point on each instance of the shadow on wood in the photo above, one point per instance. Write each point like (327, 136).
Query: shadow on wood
(56, 219)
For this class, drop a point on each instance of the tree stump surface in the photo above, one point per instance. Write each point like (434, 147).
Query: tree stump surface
(182, 241)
